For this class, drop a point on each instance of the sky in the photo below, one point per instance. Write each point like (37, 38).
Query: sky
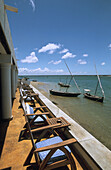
(47, 32)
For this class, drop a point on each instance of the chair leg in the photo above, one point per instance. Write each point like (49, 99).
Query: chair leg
(73, 165)
(44, 162)
(28, 159)
(70, 158)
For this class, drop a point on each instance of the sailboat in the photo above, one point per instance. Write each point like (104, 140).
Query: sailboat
(67, 94)
(95, 97)
(64, 84)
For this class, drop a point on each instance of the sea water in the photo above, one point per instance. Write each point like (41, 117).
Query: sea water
(95, 117)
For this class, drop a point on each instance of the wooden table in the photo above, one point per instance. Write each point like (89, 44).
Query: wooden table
(32, 94)
(64, 123)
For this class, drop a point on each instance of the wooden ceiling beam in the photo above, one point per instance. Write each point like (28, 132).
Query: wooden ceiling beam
(10, 8)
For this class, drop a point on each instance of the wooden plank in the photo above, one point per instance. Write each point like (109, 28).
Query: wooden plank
(45, 127)
(10, 8)
(39, 107)
(64, 123)
(32, 94)
(57, 164)
(38, 114)
(57, 145)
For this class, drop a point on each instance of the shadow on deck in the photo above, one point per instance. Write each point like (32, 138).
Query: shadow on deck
(3, 132)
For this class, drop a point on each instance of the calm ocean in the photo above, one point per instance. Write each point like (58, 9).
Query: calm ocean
(95, 117)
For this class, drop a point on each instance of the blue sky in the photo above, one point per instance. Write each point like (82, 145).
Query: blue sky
(45, 32)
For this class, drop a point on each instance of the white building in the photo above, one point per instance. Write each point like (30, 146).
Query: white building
(8, 65)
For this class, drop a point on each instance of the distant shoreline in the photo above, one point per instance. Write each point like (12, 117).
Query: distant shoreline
(63, 75)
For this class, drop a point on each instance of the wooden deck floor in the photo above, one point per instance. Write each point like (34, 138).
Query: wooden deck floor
(14, 151)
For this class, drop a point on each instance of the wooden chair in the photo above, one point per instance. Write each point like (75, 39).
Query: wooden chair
(26, 87)
(35, 120)
(34, 117)
(52, 152)
(27, 96)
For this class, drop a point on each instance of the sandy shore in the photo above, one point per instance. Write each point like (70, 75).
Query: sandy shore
(41, 87)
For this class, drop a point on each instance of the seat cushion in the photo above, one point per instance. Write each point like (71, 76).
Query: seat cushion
(58, 155)
(28, 98)
(24, 94)
(39, 119)
(31, 111)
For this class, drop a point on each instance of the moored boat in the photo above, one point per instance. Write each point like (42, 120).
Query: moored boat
(63, 85)
(65, 94)
(92, 97)
(95, 97)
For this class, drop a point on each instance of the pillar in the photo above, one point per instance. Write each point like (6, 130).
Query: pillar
(13, 80)
(16, 77)
(5, 91)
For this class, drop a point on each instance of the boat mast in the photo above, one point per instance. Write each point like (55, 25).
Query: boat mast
(96, 87)
(72, 76)
(99, 82)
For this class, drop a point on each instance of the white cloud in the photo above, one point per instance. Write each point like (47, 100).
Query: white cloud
(31, 71)
(30, 59)
(109, 46)
(15, 49)
(51, 51)
(50, 61)
(103, 63)
(32, 2)
(68, 55)
(51, 47)
(63, 51)
(54, 62)
(23, 71)
(57, 62)
(85, 55)
(59, 71)
(82, 62)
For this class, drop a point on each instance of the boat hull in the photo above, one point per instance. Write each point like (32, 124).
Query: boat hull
(63, 85)
(65, 94)
(92, 97)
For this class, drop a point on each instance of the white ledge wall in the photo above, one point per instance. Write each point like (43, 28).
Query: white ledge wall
(100, 153)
